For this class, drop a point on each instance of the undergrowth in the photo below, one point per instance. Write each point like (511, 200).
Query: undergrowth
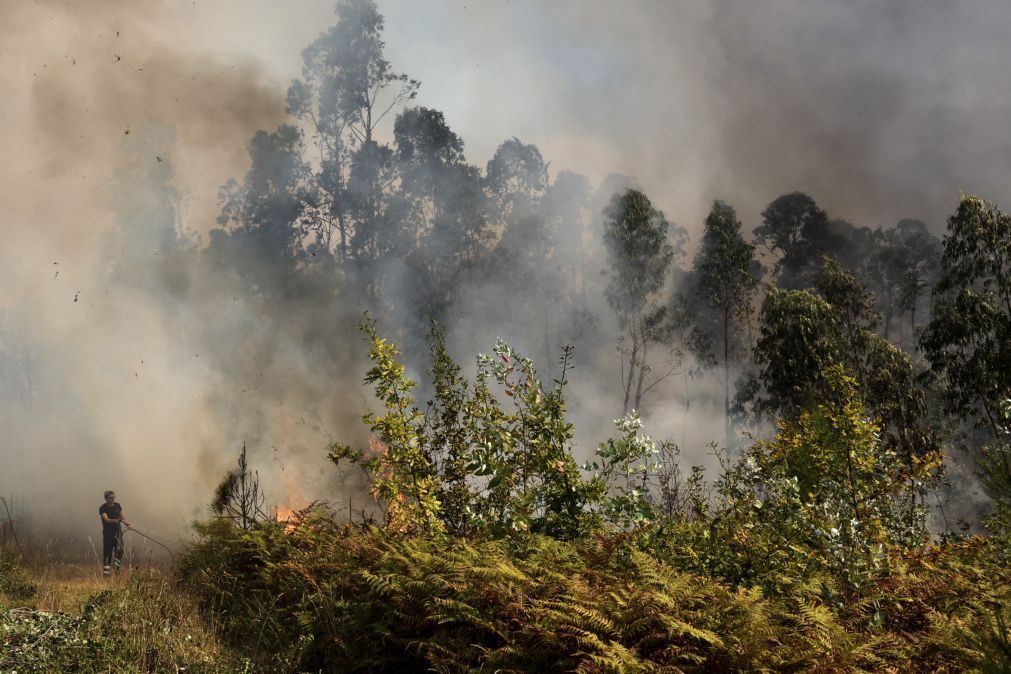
(498, 553)
(14, 582)
(335, 598)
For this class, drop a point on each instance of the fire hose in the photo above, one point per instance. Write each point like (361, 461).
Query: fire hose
(156, 542)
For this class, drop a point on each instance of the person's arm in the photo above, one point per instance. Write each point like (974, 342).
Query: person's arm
(106, 518)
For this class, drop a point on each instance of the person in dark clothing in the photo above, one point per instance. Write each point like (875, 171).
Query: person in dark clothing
(112, 533)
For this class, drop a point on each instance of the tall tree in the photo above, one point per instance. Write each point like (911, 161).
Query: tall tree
(905, 263)
(426, 148)
(517, 173)
(968, 339)
(441, 200)
(526, 257)
(641, 251)
(347, 89)
(725, 280)
(259, 240)
(794, 231)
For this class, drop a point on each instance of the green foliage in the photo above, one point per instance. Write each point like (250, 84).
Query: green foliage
(14, 582)
(995, 475)
(637, 238)
(826, 495)
(726, 277)
(626, 468)
(795, 346)
(400, 468)
(792, 230)
(725, 263)
(804, 335)
(449, 429)
(827, 485)
(470, 463)
(904, 265)
(533, 483)
(968, 340)
(517, 172)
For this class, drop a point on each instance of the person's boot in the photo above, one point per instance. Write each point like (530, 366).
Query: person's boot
(116, 565)
(105, 570)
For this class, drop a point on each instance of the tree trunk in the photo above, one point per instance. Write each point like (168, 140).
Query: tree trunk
(641, 377)
(726, 376)
(633, 358)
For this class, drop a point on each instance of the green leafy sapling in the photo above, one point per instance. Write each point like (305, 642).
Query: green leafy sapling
(627, 467)
(399, 464)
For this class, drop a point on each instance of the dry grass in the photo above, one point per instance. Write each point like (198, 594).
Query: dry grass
(134, 622)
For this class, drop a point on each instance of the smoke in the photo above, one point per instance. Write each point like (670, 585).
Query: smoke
(141, 372)
(878, 110)
(119, 123)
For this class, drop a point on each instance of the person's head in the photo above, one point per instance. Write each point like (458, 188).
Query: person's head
(110, 497)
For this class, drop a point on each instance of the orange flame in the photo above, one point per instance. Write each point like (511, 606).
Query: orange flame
(289, 517)
(293, 500)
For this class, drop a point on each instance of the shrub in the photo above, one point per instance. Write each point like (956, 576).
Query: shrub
(339, 598)
(471, 462)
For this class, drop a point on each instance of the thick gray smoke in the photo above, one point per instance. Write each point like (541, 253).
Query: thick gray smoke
(117, 129)
(878, 110)
(125, 368)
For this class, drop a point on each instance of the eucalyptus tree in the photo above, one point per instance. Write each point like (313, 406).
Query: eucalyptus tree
(804, 333)
(725, 280)
(792, 232)
(259, 240)
(641, 246)
(904, 265)
(517, 180)
(441, 200)
(346, 91)
(968, 339)
(526, 261)
(517, 174)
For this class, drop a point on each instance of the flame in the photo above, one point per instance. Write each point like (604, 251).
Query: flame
(289, 517)
(377, 447)
(394, 510)
(287, 511)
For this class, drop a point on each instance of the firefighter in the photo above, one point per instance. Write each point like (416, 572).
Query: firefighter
(112, 533)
